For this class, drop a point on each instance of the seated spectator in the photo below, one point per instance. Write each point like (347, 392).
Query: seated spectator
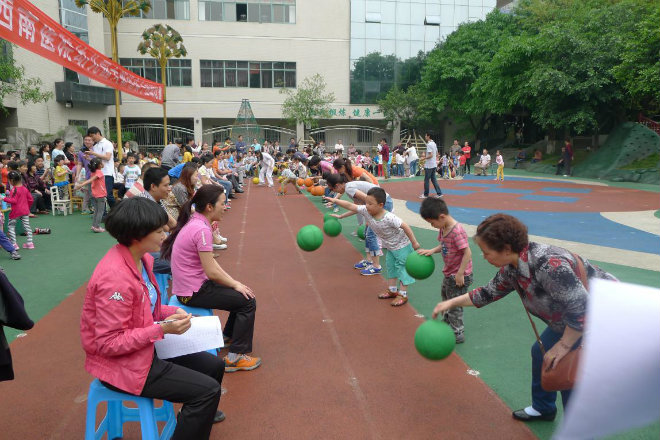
(520, 157)
(483, 164)
(199, 281)
(538, 156)
(183, 190)
(37, 187)
(122, 317)
(138, 186)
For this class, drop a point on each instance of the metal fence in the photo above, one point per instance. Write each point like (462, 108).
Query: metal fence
(149, 137)
(269, 132)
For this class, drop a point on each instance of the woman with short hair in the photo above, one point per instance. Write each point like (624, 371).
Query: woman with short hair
(549, 281)
(122, 318)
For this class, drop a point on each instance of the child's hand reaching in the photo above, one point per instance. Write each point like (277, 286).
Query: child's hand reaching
(425, 252)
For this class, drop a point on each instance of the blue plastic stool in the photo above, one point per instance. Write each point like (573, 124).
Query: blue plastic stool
(163, 280)
(118, 414)
(196, 311)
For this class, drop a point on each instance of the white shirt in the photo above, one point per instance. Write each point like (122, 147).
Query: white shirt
(267, 160)
(104, 147)
(388, 229)
(432, 149)
(399, 159)
(358, 185)
(339, 148)
(485, 158)
(412, 154)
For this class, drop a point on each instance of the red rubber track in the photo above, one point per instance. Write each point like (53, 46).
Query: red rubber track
(337, 362)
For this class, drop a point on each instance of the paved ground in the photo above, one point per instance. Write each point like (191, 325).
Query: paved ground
(338, 363)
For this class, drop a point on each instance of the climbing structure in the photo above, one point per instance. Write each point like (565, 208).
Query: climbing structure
(245, 123)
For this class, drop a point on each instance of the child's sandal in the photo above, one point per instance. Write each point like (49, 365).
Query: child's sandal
(399, 301)
(388, 295)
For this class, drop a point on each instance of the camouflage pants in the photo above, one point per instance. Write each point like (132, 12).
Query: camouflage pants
(450, 290)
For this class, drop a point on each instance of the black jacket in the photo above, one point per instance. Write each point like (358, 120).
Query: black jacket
(12, 314)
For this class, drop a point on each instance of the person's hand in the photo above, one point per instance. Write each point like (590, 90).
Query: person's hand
(416, 245)
(76, 187)
(337, 216)
(441, 308)
(460, 280)
(555, 354)
(38, 192)
(179, 326)
(244, 290)
(425, 252)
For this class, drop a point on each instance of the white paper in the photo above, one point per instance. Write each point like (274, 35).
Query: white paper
(618, 382)
(205, 333)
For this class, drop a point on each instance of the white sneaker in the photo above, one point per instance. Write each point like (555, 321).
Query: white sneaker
(422, 196)
(220, 238)
(219, 247)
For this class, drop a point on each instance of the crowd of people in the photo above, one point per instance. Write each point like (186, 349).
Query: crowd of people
(165, 213)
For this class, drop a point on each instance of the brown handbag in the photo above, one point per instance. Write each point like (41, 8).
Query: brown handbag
(562, 377)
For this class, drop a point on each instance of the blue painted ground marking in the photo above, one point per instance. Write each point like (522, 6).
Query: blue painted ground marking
(581, 227)
(476, 185)
(456, 192)
(510, 191)
(567, 190)
(557, 199)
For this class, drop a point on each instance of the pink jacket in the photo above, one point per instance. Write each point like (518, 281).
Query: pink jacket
(20, 200)
(116, 326)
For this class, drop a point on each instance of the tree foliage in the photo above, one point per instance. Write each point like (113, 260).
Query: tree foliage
(14, 82)
(308, 103)
(411, 107)
(162, 42)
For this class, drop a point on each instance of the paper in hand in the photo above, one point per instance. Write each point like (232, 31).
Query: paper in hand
(205, 333)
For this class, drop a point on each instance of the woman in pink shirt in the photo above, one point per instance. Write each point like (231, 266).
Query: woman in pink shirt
(199, 281)
(122, 317)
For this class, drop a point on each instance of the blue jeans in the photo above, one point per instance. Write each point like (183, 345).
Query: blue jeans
(413, 167)
(544, 401)
(109, 186)
(399, 169)
(226, 184)
(429, 176)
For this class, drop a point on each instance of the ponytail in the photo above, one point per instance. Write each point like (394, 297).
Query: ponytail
(206, 195)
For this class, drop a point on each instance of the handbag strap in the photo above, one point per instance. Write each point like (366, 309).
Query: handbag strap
(579, 271)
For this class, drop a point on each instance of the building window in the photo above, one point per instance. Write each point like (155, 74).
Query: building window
(79, 123)
(319, 136)
(365, 136)
(178, 73)
(74, 19)
(166, 9)
(252, 74)
(271, 135)
(254, 11)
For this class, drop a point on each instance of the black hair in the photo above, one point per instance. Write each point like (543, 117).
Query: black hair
(196, 160)
(178, 141)
(208, 157)
(67, 145)
(204, 196)
(429, 135)
(131, 154)
(153, 176)
(57, 141)
(146, 167)
(134, 218)
(432, 208)
(379, 194)
(93, 130)
(14, 176)
(216, 153)
(95, 164)
(58, 158)
(348, 167)
(334, 179)
(314, 160)
(12, 165)
(188, 148)
(20, 163)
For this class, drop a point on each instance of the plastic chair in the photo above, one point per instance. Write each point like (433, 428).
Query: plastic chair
(59, 202)
(118, 414)
(195, 311)
(163, 280)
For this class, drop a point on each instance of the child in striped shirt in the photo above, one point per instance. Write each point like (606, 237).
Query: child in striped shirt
(456, 255)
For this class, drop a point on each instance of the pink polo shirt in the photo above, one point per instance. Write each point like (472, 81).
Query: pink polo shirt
(187, 272)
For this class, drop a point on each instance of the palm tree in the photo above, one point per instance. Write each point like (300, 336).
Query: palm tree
(162, 42)
(113, 11)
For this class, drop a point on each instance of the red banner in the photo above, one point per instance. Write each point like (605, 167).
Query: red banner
(27, 26)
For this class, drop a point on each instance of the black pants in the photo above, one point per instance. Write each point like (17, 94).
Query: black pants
(240, 325)
(467, 165)
(193, 380)
(38, 204)
(109, 186)
(429, 176)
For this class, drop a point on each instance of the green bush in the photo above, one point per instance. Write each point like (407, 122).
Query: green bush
(125, 136)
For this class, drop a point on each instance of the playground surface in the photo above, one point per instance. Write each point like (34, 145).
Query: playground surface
(337, 362)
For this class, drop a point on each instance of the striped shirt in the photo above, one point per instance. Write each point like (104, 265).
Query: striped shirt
(454, 244)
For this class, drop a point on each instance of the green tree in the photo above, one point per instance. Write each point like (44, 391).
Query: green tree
(453, 68)
(308, 103)
(375, 74)
(162, 43)
(113, 11)
(14, 82)
(411, 107)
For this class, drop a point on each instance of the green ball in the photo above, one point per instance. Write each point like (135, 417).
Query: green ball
(332, 227)
(326, 216)
(435, 340)
(309, 238)
(419, 267)
(360, 231)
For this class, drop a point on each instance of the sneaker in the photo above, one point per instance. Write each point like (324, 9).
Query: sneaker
(16, 246)
(460, 338)
(220, 238)
(243, 363)
(362, 264)
(28, 245)
(423, 196)
(371, 271)
(15, 255)
(219, 247)
(86, 212)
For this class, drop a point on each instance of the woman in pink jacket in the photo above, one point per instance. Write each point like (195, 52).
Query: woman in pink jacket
(118, 326)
